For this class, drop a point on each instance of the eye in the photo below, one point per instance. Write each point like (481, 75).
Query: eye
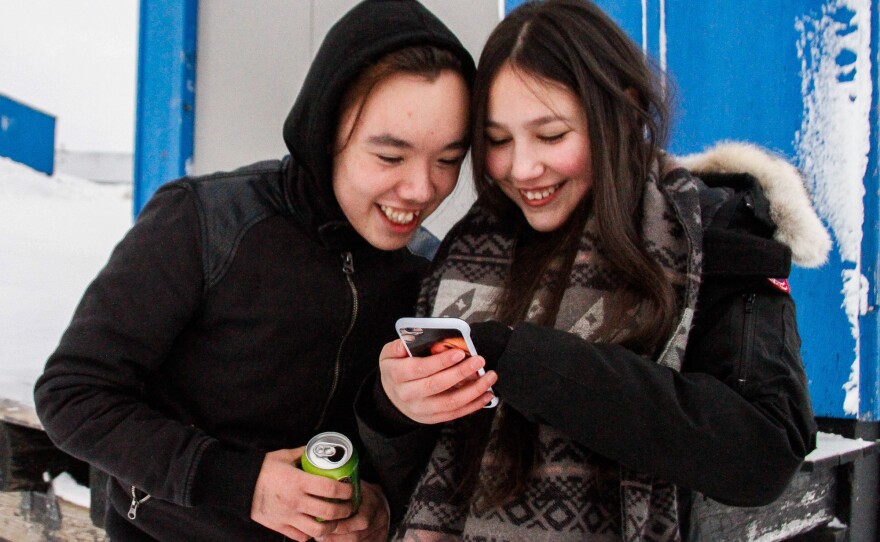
(552, 138)
(451, 161)
(497, 141)
(390, 159)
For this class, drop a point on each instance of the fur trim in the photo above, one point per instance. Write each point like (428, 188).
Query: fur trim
(798, 225)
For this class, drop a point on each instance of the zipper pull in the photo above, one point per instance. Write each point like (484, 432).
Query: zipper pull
(132, 511)
(347, 263)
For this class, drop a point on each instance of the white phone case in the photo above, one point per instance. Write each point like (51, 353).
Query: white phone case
(423, 337)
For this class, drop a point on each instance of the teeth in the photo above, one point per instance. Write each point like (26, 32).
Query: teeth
(399, 217)
(532, 195)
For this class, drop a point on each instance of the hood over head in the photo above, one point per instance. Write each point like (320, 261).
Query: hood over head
(362, 36)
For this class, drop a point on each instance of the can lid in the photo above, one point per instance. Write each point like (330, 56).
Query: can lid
(328, 451)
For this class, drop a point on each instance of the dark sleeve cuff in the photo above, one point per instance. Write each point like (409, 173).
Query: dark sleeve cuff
(375, 408)
(226, 479)
(490, 338)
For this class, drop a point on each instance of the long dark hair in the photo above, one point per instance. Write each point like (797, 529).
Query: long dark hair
(574, 44)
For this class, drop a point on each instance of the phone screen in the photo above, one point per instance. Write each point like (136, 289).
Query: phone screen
(424, 342)
(425, 337)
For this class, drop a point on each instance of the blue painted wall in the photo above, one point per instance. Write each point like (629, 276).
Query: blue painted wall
(165, 94)
(27, 135)
(737, 75)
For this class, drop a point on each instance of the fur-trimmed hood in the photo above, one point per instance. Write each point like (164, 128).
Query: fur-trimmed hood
(798, 225)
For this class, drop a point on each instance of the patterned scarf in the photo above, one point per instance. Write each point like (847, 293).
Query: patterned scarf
(563, 500)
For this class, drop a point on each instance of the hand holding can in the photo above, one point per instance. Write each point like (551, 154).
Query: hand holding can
(333, 456)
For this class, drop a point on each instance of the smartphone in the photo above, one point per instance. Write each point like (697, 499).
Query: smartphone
(425, 337)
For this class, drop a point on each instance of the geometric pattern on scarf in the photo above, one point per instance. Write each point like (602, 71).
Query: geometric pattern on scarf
(465, 283)
(564, 503)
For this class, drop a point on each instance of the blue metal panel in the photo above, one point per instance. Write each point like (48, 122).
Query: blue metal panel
(27, 135)
(629, 16)
(510, 5)
(869, 378)
(166, 94)
(736, 67)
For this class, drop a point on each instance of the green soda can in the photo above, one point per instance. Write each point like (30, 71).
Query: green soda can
(333, 456)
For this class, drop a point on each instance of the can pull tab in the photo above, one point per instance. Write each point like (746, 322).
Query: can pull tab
(331, 452)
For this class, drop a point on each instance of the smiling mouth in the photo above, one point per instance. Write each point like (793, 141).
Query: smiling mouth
(542, 194)
(398, 216)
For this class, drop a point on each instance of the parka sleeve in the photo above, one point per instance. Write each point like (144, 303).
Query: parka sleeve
(92, 396)
(398, 448)
(734, 424)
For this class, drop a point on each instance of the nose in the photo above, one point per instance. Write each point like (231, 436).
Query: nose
(526, 165)
(418, 186)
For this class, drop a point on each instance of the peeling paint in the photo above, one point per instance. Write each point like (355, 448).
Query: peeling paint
(834, 141)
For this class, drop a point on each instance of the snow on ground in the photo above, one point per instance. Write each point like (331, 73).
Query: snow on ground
(55, 235)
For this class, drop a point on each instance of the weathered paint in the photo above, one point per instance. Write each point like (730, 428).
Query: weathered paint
(750, 70)
(834, 143)
(27, 135)
(166, 94)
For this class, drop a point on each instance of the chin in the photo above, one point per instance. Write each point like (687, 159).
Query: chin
(383, 242)
(543, 226)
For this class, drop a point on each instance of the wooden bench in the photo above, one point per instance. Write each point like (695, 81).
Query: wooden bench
(816, 507)
(30, 511)
(819, 504)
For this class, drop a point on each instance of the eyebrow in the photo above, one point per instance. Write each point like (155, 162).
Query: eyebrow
(388, 140)
(534, 123)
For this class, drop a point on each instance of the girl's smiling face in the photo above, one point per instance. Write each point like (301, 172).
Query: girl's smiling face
(399, 158)
(538, 148)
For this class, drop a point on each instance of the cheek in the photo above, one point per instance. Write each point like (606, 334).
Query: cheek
(348, 185)
(447, 181)
(572, 161)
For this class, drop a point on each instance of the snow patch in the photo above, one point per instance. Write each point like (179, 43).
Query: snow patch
(56, 232)
(834, 140)
(65, 487)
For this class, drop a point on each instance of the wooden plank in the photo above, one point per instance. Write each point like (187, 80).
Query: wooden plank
(37, 517)
(26, 454)
(19, 414)
(806, 504)
(833, 450)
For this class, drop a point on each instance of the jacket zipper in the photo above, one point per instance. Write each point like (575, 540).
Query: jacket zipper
(348, 269)
(135, 502)
(748, 339)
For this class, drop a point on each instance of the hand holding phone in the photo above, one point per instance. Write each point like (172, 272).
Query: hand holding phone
(425, 337)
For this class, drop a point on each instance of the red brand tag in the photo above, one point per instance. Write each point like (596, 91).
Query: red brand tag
(781, 284)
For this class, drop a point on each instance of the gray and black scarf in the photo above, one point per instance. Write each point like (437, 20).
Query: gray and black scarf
(563, 500)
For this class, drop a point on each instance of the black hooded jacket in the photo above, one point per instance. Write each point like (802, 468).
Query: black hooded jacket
(238, 316)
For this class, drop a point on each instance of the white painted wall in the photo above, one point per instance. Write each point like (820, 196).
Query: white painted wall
(252, 59)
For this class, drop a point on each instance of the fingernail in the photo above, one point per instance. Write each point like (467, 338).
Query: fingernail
(477, 362)
(458, 355)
